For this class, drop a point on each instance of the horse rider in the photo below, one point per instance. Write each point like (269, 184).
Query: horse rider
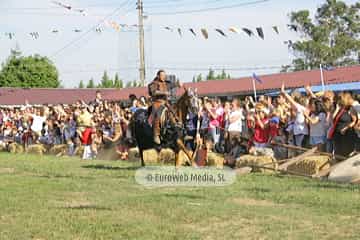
(159, 91)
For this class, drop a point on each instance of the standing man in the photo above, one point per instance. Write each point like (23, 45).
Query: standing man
(159, 91)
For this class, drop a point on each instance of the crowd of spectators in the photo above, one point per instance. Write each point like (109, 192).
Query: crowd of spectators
(324, 120)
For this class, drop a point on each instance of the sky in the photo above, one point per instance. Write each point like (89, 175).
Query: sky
(86, 54)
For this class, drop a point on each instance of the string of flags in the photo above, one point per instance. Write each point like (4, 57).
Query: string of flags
(180, 31)
(205, 32)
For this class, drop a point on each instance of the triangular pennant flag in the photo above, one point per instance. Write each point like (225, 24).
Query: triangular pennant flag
(169, 28)
(276, 29)
(293, 27)
(205, 33)
(248, 31)
(179, 31)
(192, 31)
(260, 33)
(220, 31)
(289, 43)
(234, 30)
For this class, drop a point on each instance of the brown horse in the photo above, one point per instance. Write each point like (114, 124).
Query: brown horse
(172, 126)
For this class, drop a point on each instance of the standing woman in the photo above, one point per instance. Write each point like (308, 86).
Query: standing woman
(318, 123)
(342, 131)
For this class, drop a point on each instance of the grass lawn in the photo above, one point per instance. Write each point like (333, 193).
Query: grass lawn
(68, 198)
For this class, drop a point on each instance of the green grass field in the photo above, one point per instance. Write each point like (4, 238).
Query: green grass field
(68, 198)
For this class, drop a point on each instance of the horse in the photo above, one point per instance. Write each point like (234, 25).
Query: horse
(172, 126)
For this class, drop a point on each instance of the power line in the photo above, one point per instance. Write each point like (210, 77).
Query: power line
(209, 9)
(89, 30)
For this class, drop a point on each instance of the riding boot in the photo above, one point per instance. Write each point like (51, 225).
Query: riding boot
(156, 130)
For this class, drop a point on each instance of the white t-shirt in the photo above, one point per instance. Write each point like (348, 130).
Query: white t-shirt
(319, 129)
(37, 123)
(237, 125)
(300, 126)
(356, 107)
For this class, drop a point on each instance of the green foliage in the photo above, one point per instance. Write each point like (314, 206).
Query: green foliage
(106, 82)
(91, 84)
(211, 75)
(81, 84)
(332, 38)
(118, 83)
(28, 72)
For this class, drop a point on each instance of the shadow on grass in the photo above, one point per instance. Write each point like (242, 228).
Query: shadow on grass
(336, 186)
(85, 207)
(182, 195)
(63, 176)
(104, 167)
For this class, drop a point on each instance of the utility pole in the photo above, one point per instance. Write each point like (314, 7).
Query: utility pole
(141, 41)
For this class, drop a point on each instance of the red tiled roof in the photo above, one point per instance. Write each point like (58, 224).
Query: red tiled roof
(18, 96)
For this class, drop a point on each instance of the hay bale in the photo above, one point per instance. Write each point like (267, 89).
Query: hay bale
(134, 155)
(59, 149)
(310, 165)
(3, 147)
(16, 148)
(347, 171)
(151, 156)
(79, 151)
(167, 156)
(183, 158)
(215, 160)
(253, 161)
(37, 149)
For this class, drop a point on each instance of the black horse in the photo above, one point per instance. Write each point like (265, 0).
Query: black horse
(172, 133)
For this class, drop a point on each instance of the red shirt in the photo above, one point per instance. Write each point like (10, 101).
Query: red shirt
(261, 135)
(86, 136)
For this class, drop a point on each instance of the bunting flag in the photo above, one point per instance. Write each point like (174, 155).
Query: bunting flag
(192, 31)
(276, 29)
(205, 33)
(179, 31)
(260, 33)
(34, 35)
(221, 32)
(293, 27)
(289, 43)
(68, 7)
(248, 31)
(234, 30)
(115, 26)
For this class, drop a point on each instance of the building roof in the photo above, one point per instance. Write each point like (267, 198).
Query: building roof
(240, 86)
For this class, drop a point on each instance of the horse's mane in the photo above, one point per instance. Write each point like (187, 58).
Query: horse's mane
(181, 107)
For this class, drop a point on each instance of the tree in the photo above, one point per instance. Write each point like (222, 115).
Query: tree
(91, 84)
(199, 78)
(28, 72)
(106, 82)
(332, 38)
(222, 75)
(128, 85)
(211, 75)
(81, 84)
(117, 82)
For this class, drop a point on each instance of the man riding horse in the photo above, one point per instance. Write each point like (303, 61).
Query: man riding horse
(159, 91)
